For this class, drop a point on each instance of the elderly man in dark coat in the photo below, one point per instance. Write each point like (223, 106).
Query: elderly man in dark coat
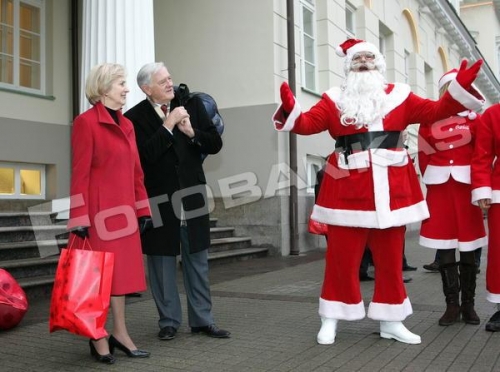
(171, 139)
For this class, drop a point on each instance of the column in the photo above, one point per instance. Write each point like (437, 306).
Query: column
(117, 31)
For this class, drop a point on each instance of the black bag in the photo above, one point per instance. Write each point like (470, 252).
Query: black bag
(183, 94)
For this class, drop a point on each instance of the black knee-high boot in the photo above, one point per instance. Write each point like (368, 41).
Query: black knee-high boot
(451, 290)
(468, 287)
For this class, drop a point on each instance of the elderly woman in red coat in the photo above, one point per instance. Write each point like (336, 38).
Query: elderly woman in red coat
(108, 196)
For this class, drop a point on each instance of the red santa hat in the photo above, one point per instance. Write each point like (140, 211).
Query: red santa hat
(352, 46)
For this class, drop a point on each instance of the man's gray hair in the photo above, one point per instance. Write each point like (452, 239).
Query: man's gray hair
(146, 71)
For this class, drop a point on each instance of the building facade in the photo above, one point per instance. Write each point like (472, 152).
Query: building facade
(235, 50)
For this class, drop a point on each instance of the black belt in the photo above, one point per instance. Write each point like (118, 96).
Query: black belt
(368, 140)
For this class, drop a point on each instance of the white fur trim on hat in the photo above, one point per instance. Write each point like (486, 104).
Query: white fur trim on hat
(352, 46)
(362, 47)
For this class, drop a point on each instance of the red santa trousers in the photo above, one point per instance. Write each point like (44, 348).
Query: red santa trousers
(493, 265)
(454, 221)
(341, 293)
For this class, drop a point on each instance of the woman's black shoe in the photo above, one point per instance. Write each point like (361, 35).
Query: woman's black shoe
(113, 342)
(106, 359)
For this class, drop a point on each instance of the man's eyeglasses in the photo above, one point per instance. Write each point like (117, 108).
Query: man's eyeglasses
(363, 55)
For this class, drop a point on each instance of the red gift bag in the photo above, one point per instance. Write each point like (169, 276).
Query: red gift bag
(82, 292)
(13, 301)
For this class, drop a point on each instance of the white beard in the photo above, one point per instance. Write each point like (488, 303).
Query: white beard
(363, 99)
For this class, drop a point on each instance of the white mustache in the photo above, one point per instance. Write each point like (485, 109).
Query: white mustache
(368, 65)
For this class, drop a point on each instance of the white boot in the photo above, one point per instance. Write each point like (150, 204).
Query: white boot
(399, 332)
(328, 331)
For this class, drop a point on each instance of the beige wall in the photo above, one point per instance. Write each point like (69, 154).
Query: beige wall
(224, 47)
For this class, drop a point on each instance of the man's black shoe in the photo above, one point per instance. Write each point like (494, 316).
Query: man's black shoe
(406, 279)
(133, 294)
(167, 333)
(434, 267)
(365, 278)
(212, 331)
(493, 324)
(409, 268)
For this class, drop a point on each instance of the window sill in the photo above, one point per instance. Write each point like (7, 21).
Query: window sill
(311, 92)
(28, 94)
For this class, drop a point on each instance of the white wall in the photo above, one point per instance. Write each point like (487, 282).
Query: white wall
(484, 25)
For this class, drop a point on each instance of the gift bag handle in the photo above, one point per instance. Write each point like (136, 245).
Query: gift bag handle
(86, 243)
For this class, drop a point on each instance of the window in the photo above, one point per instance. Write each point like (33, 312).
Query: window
(22, 181)
(22, 45)
(308, 45)
(407, 67)
(350, 24)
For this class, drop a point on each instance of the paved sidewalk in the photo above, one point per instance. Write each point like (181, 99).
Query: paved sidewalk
(270, 305)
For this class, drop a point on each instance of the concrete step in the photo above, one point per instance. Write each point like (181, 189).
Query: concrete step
(29, 249)
(226, 244)
(31, 267)
(31, 233)
(221, 232)
(39, 287)
(224, 257)
(26, 218)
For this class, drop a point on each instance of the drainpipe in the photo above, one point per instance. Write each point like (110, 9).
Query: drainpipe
(75, 96)
(294, 230)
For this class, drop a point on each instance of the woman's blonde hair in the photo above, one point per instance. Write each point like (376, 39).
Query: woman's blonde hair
(100, 80)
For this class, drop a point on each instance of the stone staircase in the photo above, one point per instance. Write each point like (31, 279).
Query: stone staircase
(30, 244)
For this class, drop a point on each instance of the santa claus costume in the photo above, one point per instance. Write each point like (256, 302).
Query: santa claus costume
(445, 154)
(370, 190)
(486, 192)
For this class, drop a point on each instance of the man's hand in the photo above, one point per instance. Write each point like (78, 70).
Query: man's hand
(185, 127)
(175, 117)
(465, 77)
(81, 232)
(287, 98)
(145, 223)
(484, 203)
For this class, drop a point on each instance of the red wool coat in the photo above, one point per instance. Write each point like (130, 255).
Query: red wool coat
(108, 194)
(376, 188)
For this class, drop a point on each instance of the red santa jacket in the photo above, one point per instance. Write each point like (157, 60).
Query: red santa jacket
(446, 147)
(485, 167)
(375, 188)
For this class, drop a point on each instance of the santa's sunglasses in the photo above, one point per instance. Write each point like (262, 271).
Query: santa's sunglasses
(367, 56)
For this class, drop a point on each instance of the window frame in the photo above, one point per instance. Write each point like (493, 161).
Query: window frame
(308, 5)
(407, 66)
(350, 13)
(18, 167)
(16, 56)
